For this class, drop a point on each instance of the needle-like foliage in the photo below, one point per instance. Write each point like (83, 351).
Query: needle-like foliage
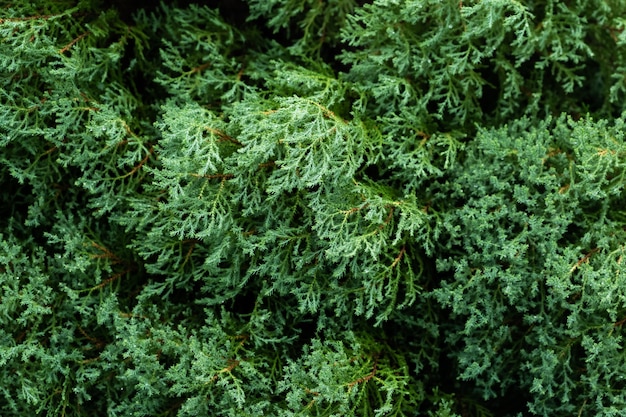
(312, 208)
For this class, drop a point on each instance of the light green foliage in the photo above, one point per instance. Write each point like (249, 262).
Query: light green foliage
(312, 24)
(201, 54)
(465, 60)
(294, 208)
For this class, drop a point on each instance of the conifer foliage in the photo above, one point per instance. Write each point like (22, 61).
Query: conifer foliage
(312, 208)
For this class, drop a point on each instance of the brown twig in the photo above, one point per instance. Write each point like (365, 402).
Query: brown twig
(399, 257)
(584, 259)
(367, 377)
(69, 45)
(214, 176)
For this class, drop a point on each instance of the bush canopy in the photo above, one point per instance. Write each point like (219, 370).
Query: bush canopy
(312, 208)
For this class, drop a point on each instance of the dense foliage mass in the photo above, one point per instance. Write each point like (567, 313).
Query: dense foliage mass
(312, 208)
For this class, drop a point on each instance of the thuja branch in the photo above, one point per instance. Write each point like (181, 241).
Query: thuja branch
(214, 176)
(398, 258)
(138, 166)
(105, 253)
(367, 377)
(74, 41)
(223, 136)
(584, 259)
(27, 18)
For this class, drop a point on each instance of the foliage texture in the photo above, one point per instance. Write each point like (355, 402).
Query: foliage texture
(312, 208)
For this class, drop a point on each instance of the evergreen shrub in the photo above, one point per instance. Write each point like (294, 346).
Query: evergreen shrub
(312, 208)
